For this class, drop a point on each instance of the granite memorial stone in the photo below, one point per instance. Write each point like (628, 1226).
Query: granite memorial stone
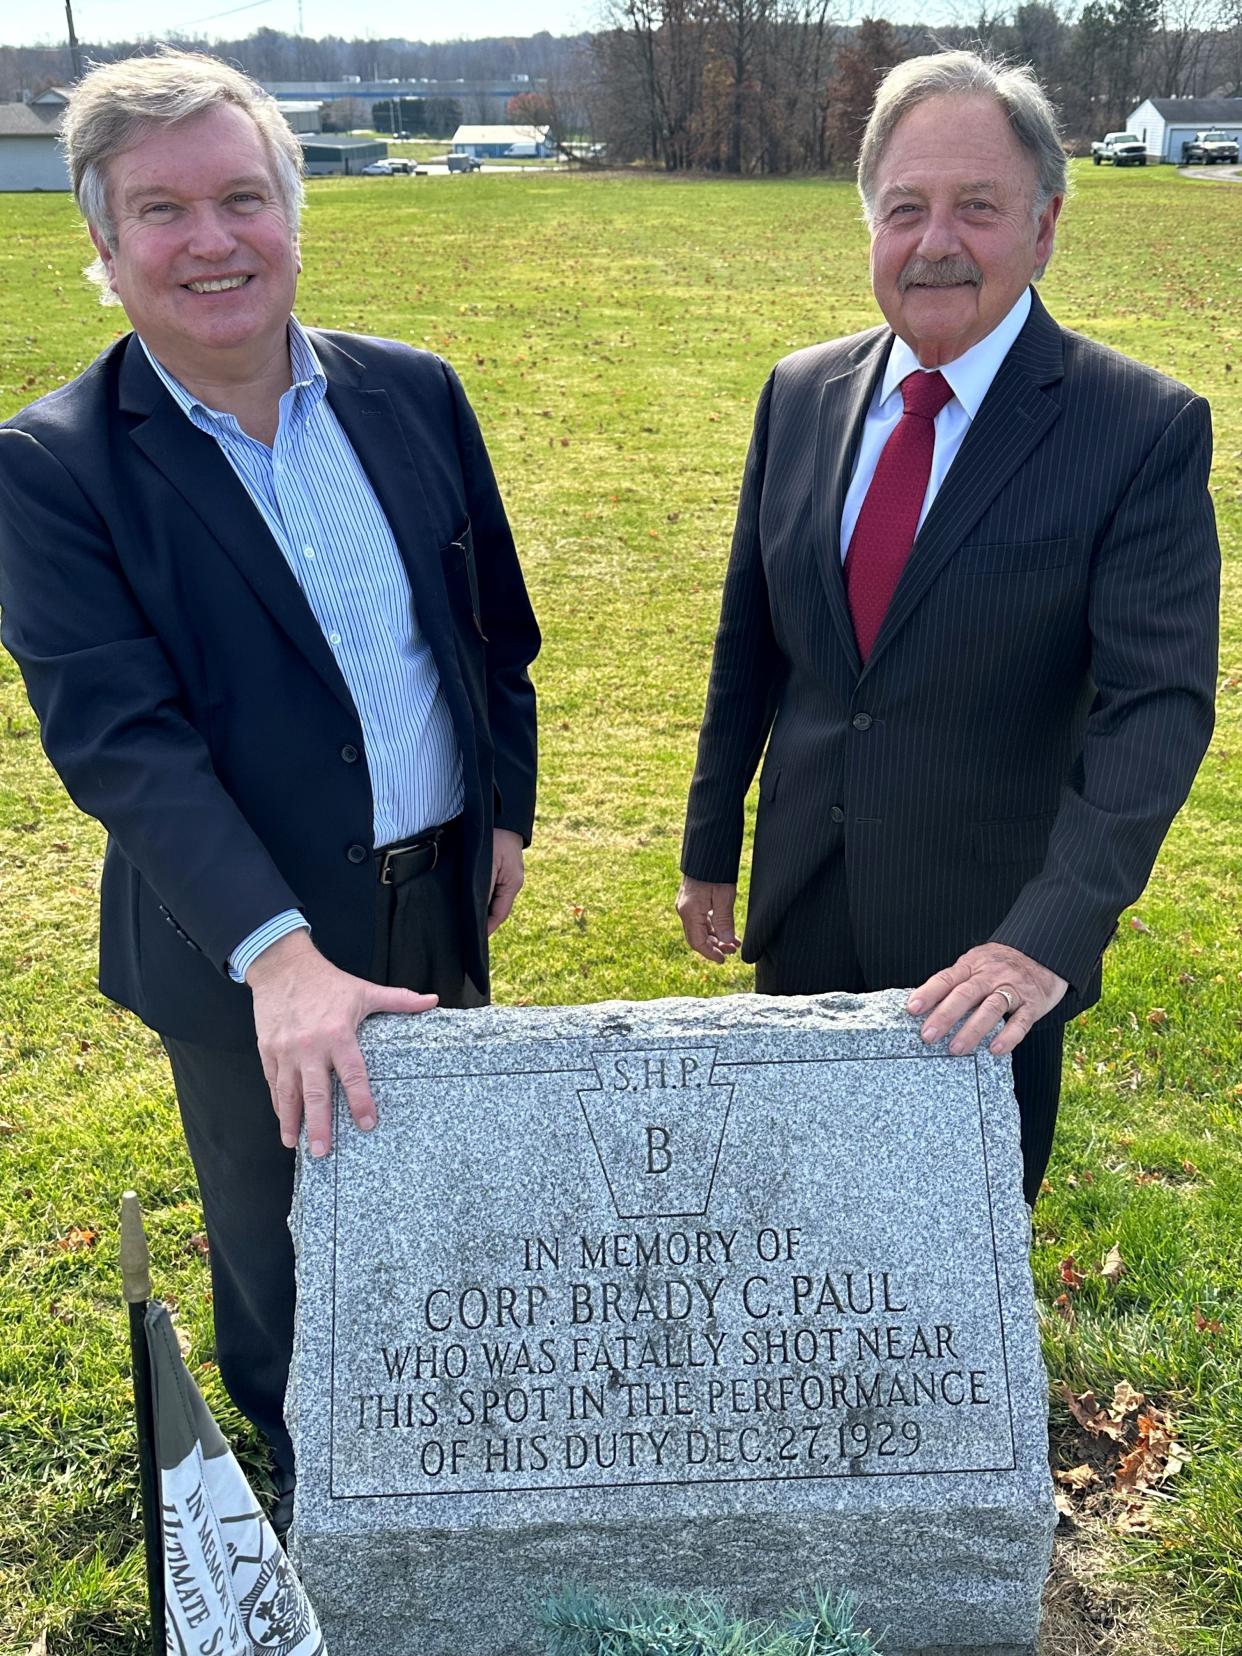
(727, 1295)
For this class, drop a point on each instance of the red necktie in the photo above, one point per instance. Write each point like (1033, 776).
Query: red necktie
(884, 533)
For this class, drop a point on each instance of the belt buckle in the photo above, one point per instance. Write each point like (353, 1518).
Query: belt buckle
(386, 873)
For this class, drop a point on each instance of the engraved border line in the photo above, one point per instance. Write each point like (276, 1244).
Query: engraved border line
(670, 1483)
(667, 1483)
(1000, 1309)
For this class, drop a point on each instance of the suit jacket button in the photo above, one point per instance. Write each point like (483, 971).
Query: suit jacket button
(861, 721)
(349, 753)
(357, 853)
(837, 814)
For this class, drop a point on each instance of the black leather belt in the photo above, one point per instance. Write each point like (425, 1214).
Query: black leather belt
(395, 864)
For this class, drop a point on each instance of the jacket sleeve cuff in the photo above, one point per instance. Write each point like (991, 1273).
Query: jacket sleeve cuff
(250, 948)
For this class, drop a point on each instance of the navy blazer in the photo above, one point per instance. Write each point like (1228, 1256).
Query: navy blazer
(1039, 695)
(187, 696)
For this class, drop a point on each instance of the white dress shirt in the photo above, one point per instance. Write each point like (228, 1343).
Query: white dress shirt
(318, 502)
(970, 377)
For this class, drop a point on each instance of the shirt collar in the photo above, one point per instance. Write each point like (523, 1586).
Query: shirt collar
(309, 382)
(970, 376)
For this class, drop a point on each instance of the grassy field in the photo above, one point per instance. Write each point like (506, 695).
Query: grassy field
(613, 334)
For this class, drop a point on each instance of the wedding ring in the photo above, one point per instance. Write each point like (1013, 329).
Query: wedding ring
(1011, 1000)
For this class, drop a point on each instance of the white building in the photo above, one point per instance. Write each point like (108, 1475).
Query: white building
(1164, 124)
(303, 117)
(493, 143)
(30, 158)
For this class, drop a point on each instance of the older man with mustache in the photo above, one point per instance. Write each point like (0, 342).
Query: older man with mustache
(970, 612)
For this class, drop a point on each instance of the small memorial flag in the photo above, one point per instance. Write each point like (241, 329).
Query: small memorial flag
(228, 1587)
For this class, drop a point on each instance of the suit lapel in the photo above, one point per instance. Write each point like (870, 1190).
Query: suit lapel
(843, 403)
(1012, 419)
(370, 422)
(194, 464)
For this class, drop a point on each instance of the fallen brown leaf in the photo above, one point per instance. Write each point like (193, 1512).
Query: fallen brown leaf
(1154, 1458)
(1157, 1016)
(1134, 1470)
(1086, 1410)
(1064, 1307)
(1125, 1400)
(1133, 1519)
(1206, 1325)
(76, 1239)
(1070, 1275)
(1064, 1505)
(1112, 1267)
(1077, 1477)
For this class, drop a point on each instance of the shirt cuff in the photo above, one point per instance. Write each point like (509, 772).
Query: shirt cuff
(250, 948)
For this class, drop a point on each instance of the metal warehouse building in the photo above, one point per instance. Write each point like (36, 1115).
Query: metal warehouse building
(497, 142)
(326, 155)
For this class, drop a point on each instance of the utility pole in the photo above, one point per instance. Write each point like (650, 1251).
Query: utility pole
(73, 42)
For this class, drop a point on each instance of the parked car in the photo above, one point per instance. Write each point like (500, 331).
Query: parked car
(1123, 149)
(378, 169)
(1206, 148)
(463, 163)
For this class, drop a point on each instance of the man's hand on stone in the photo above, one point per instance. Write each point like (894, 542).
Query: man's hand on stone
(984, 985)
(306, 1016)
(508, 875)
(706, 913)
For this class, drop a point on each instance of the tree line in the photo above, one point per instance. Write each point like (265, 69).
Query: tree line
(270, 55)
(749, 86)
(772, 86)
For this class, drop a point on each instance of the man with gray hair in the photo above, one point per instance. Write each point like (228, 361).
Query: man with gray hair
(970, 610)
(265, 599)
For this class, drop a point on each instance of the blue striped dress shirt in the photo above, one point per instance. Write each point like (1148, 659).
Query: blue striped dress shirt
(318, 503)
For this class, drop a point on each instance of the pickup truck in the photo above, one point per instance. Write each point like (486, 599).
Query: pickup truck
(1206, 148)
(1123, 149)
(456, 162)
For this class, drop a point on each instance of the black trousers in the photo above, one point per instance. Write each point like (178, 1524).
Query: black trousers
(245, 1174)
(814, 954)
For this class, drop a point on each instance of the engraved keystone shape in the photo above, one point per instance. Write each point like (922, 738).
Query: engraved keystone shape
(657, 1120)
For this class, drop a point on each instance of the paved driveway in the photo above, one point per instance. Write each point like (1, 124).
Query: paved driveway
(1233, 173)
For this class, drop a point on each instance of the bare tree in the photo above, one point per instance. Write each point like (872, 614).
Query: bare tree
(859, 69)
(1178, 48)
(1228, 23)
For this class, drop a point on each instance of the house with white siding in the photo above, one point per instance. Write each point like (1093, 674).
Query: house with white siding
(30, 157)
(1164, 124)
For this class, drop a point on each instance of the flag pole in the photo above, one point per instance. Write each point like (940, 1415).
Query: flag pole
(136, 1284)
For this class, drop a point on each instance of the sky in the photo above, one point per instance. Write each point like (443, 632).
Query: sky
(42, 22)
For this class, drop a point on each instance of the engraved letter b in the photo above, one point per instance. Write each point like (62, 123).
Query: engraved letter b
(657, 1146)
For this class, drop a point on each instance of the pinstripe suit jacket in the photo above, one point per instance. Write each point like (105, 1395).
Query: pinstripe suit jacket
(1041, 692)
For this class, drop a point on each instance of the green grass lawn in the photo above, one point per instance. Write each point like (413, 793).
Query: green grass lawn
(613, 333)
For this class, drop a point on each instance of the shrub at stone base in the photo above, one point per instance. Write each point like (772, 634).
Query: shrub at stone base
(582, 1624)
